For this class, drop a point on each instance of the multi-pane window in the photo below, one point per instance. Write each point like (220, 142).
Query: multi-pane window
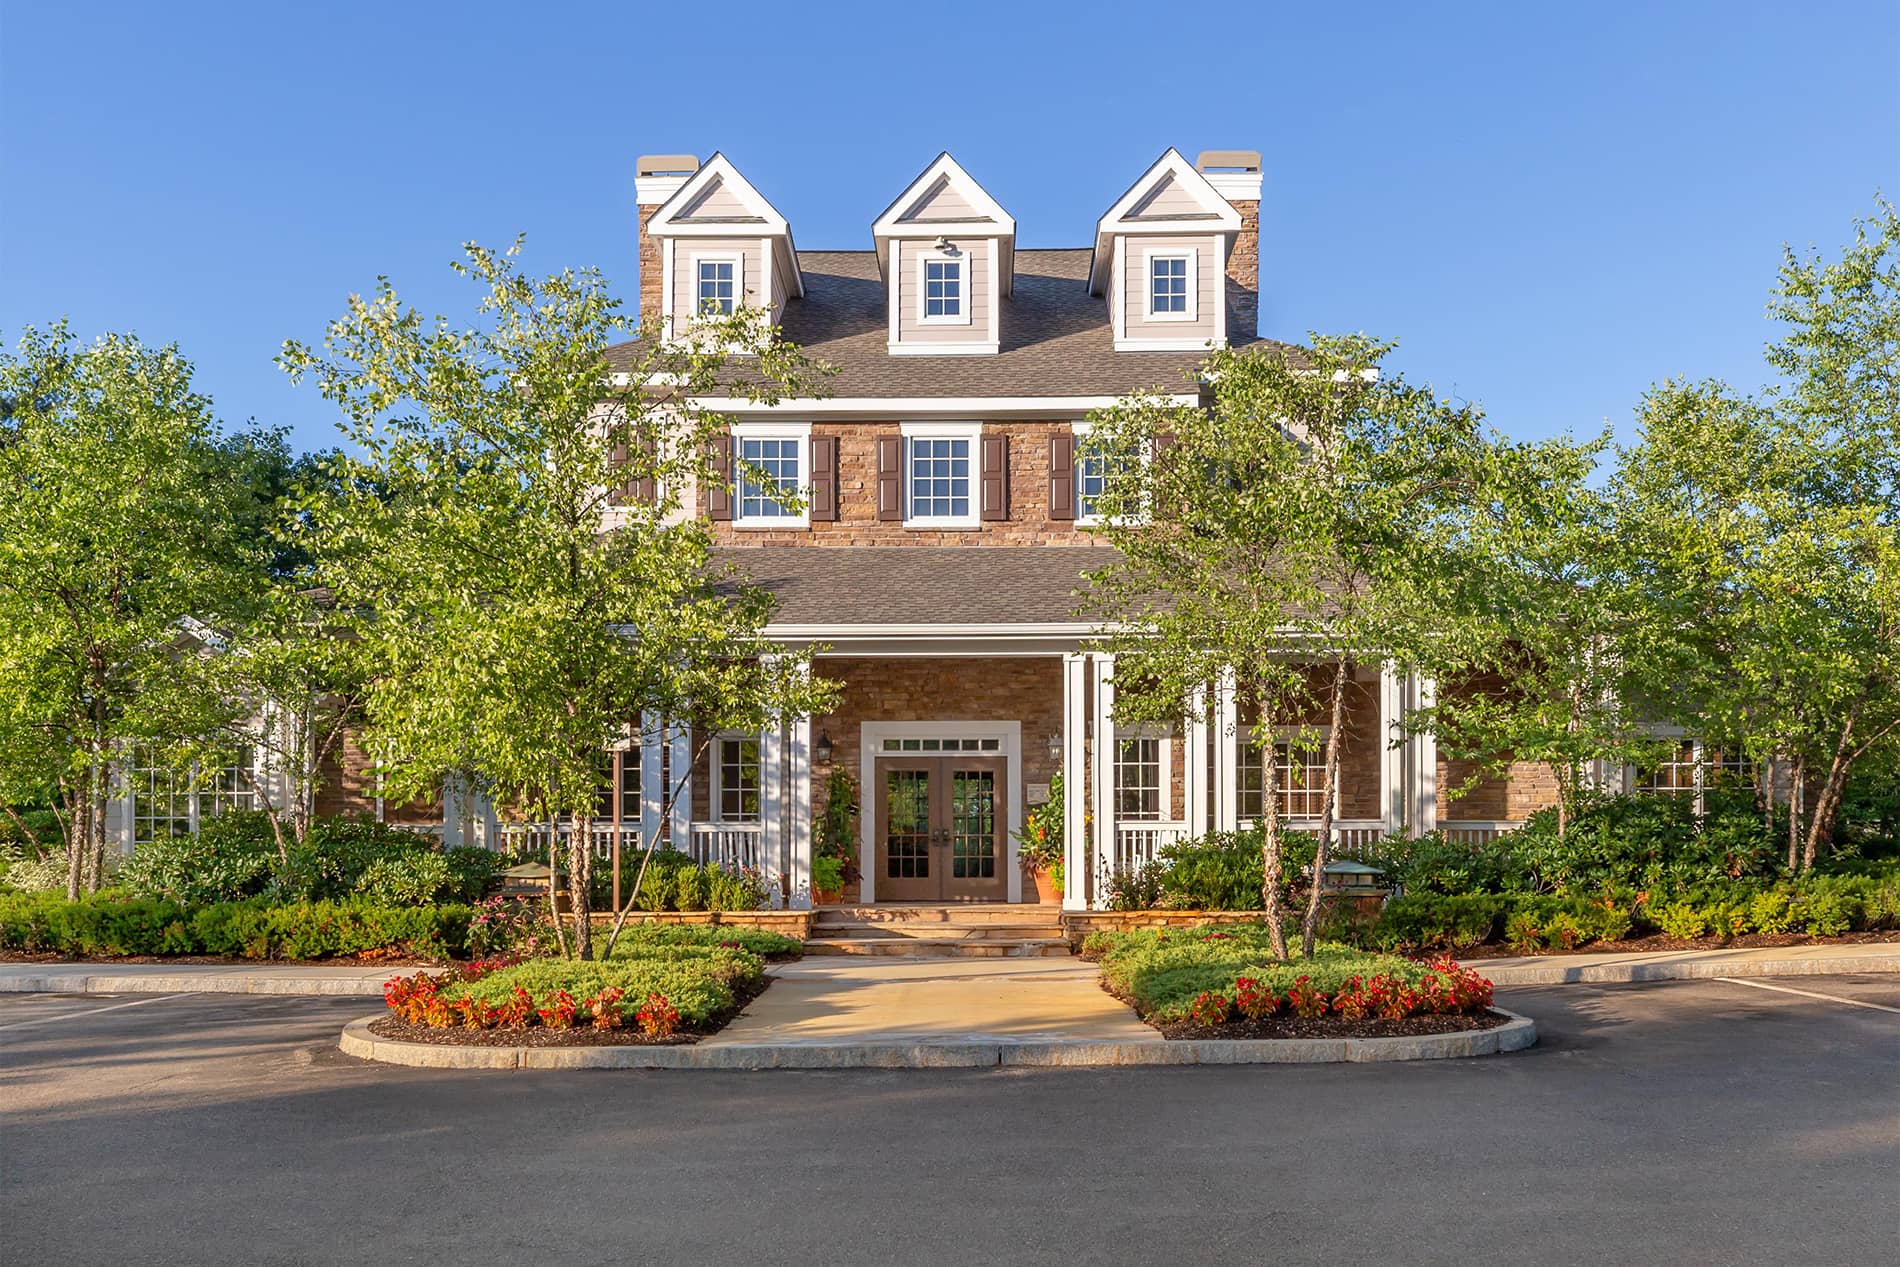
(771, 472)
(625, 764)
(718, 287)
(1693, 765)
(943, 289)
(1139, 771)
(1091, 481)
(1675, 774)
(1168, 281)
(737, 778)
(231, 786)
(174, 802)
(1727, 767)
(1299, 779)
(939, 477)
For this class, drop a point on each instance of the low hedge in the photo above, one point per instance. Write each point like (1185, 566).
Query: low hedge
(1205, 973)
(112, 924)
(637, 940)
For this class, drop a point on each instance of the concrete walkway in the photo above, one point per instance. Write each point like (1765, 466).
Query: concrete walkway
(1683, 965)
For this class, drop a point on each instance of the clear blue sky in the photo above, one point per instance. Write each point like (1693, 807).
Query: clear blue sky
(1550, 207)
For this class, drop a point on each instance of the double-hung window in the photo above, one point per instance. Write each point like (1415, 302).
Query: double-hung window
(942, 299)
(176, 802)
(1141, 778)
(620, 765)
(717, 282)
(771, 473)
(940, 475)
(1171, 289)
(1094, 468)
(1299, 775)
(736, 778)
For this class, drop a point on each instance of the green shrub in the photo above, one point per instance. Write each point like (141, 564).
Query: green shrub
(1683, 919)
(118, 925)
(1137, 889)
(409, 878)
(1771, 911)
(233, 856)
(701, 981)
(1831, 905)
(1434, 863)
(693, 889)
(1432, 921)
(1222, 871)
(635, 939)
(471, 871)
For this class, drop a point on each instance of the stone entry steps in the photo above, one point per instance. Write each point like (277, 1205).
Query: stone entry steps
(938, 931)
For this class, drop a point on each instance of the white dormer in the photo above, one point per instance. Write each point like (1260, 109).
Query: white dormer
(1161, 259)
(722, 247)
(946, 251)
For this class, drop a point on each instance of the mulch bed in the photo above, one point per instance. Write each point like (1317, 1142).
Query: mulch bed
(1637, 945)
(1284, 1025)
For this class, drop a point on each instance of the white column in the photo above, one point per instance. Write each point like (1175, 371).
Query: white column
(454, 812)
(772, 849)
(1226, 751)
(798, 808)
(652, 743)
(1074, 843)
(1103, 774)
(679, 775)
(1197, 792)
(1425, 755)
(1392, 759)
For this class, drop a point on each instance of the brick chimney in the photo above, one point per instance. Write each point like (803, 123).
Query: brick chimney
(656, 178)
(1235, 174)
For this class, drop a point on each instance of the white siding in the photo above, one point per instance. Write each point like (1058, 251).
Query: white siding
(1209, 264)
(715, 202)
(1166, 199)
(686, 277)
(943, 202)
(976, 295)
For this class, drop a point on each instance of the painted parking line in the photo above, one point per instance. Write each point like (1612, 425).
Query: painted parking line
(1831, 998)
(94, 1011)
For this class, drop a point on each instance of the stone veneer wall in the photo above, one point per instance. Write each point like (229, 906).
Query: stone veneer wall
(346, 785)
(1243, 275)
(858, 525)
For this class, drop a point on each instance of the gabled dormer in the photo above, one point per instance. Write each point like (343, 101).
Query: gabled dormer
(946, 251)
(1166, 254)
(718, 245)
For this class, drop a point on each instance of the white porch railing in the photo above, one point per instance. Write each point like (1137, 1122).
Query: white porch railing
(1137, 845)
(728, 844)
(1477, 832)
(531, 839)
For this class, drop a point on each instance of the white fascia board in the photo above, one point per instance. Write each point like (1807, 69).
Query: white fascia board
(1025, 629)
(960, 407)
(913, 348)
(1166, 345)
(888, 224)
(1227, 220)
(717, 167)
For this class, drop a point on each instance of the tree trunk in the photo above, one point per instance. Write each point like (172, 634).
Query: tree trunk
(1821, 822)
(1797, 775)
(554, 875)
(1272, 847)
(1309, 928)
(580, 881)
(76, 842)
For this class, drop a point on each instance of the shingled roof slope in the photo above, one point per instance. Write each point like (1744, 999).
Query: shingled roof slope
(1056, 339)
(918, 585)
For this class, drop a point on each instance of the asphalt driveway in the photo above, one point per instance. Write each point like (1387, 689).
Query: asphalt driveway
(1677, 1122)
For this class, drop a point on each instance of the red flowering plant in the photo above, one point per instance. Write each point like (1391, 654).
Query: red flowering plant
(1305, 1000)
(1254, 999)
(605, 1008)
(560, 1011)
(1211, 1008)
(657, 1017)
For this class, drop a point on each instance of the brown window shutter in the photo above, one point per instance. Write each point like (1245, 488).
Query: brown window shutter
(1062, 476)
(824, 479)
(995, 477)
(645, 487)
(719, 494)
(890, 477)
(617, 462)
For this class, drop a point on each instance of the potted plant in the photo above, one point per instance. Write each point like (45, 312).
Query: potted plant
(834, 863)
(1039, 848)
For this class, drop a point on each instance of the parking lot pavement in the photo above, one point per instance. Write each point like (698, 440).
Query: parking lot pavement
(1685, 1121)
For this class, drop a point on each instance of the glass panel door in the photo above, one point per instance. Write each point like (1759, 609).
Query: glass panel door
(975, 824)
(904, 832)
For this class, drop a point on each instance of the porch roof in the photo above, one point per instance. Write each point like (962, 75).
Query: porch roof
(919, 585)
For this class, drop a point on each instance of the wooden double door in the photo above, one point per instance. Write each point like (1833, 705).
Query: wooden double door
(942, 829)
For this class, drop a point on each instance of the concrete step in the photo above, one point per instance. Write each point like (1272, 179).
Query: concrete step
(939, 948)
(942, 913)
(942, 932)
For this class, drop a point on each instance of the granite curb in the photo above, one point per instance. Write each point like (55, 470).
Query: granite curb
(1515, 1035)
(189, 983)
(1681, 970)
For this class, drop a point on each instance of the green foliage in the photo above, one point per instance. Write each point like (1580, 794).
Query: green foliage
(827, 874)
(232, 856)
(1220, 871)
(104, 924)
(1162, 971)
(1039, 845)
(758, 941)
(700, 980)
(1419, 921)
(835, 835)
(1135, 890)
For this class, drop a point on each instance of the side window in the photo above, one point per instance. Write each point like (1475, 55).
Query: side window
(718, 286)
(1171, 288)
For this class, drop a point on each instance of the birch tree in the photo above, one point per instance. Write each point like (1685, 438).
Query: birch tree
(513, 547)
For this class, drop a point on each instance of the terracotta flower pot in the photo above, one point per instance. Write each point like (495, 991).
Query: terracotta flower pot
(1046, 891)
(827, 897)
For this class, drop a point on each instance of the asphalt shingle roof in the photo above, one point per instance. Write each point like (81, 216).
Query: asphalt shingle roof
(918, 585)
(1056, 339)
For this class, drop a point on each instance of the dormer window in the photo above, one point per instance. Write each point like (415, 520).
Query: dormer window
(942, 289)
(1171, 286)
(719, 284)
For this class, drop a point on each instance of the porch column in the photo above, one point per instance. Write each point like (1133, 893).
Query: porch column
(1424, 808)
(772, 841)
(1075, 849)
(1194, 813)
(1392, 758)
(652, 744)
(1102, 776)
(1226, 751)
(797, 809)
(679, 782)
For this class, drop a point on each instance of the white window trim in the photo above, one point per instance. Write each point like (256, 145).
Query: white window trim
(743, 431)
(715, 786)
(1149, 730)
(1245, 735)
(971, 431)
(1081, 430)
(961, 258)
(1192, 255)
(734, 258)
